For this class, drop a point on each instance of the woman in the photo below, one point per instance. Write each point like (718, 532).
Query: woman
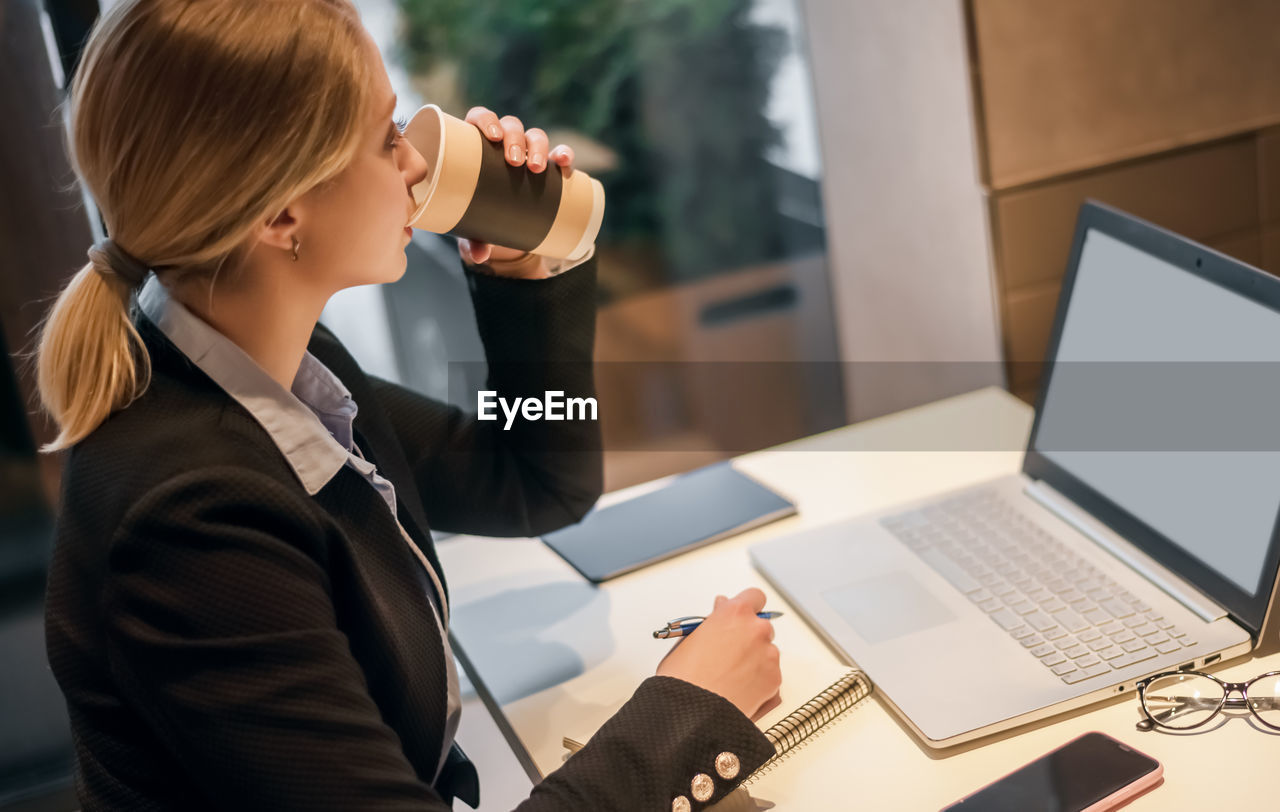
(245, 609)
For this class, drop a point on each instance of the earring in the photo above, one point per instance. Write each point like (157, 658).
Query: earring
(296, 245)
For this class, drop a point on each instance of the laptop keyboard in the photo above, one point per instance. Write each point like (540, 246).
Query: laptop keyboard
(1067, 613)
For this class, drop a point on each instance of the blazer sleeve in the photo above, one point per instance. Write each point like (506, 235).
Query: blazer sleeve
(221, 633)
(478, 476)
(670, 737)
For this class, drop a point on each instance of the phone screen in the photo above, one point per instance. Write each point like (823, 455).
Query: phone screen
(1073, 777)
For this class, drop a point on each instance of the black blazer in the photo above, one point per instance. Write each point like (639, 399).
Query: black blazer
(226, 641)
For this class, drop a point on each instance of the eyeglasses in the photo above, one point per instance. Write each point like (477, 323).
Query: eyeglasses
(1183, 700)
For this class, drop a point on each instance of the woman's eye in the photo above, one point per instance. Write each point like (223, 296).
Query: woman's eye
(400, 124)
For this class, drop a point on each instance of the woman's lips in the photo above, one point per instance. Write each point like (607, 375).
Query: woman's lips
(413, 218)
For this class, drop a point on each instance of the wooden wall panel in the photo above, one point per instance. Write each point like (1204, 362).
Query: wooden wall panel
(1029, 312)
(1269, 174)
(1070, 86)
(1202, 193)
(1209, 194)
(1245, 246)
(1271, 248)
(1028, 322)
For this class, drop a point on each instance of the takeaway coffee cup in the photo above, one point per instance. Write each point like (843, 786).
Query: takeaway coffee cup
(471, 191)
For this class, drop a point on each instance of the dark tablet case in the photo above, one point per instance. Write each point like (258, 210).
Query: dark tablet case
(694, 509)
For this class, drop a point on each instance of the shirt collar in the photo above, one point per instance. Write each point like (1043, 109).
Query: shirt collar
(311, 425)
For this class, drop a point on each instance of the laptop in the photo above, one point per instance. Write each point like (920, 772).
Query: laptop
(1140, 535)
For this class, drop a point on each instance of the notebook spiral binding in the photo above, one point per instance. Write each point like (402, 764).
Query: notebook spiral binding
(811, 719)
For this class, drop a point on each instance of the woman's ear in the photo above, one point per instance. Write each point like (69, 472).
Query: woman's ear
(280, 231)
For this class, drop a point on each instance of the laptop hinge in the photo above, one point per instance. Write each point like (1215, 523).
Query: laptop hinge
(1173, 585)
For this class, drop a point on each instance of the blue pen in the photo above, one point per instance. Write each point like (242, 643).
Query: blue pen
(684, 625)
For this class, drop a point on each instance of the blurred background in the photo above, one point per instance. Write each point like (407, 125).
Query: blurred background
(698, 117)
(819, 211)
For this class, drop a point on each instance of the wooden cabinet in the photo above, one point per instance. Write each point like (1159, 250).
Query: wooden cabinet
(1065, 87)
(710, 369)
(1163, 108)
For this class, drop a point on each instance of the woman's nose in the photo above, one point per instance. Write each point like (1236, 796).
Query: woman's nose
(415, 169)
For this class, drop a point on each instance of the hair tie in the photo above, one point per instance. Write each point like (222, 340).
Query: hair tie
(109, 254)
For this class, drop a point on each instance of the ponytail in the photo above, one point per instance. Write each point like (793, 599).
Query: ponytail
(90, 360)
(184, 164)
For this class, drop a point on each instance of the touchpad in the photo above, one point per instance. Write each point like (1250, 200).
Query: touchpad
(887, 606)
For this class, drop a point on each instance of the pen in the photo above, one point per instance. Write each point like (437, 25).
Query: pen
(684, 625)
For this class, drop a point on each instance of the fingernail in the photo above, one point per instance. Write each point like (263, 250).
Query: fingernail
(517, 154)
(535, 161)
(494, 131)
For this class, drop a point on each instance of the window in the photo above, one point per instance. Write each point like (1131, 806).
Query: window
(697, 117)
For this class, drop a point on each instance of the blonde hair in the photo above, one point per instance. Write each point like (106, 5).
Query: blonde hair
(193, 122)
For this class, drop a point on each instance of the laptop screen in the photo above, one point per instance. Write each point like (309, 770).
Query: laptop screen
(1164, 399)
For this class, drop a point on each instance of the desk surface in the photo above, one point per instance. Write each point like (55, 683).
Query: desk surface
(560, 656)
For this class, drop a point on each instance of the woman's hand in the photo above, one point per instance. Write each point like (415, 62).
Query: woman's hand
(522, 148)
(731, 654)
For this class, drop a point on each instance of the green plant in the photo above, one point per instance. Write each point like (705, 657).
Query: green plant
(677, 88)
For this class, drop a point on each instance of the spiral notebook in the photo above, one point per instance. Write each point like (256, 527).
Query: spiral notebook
(806, 721)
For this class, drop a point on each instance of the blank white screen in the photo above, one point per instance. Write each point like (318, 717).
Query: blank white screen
(1155, 428)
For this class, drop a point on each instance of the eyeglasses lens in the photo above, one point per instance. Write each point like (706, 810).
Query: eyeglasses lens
(1182, 701)
(1264, 699)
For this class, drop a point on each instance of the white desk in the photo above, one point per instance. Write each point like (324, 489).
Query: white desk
(560, 655)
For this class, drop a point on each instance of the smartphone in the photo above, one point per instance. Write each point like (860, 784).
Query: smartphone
(1091, 773)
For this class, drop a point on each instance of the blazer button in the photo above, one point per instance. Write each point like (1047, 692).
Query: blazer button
(680, 804)
(703, 787)
(727, 765)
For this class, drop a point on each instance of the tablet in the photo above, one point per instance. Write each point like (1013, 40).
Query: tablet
(694, 509)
